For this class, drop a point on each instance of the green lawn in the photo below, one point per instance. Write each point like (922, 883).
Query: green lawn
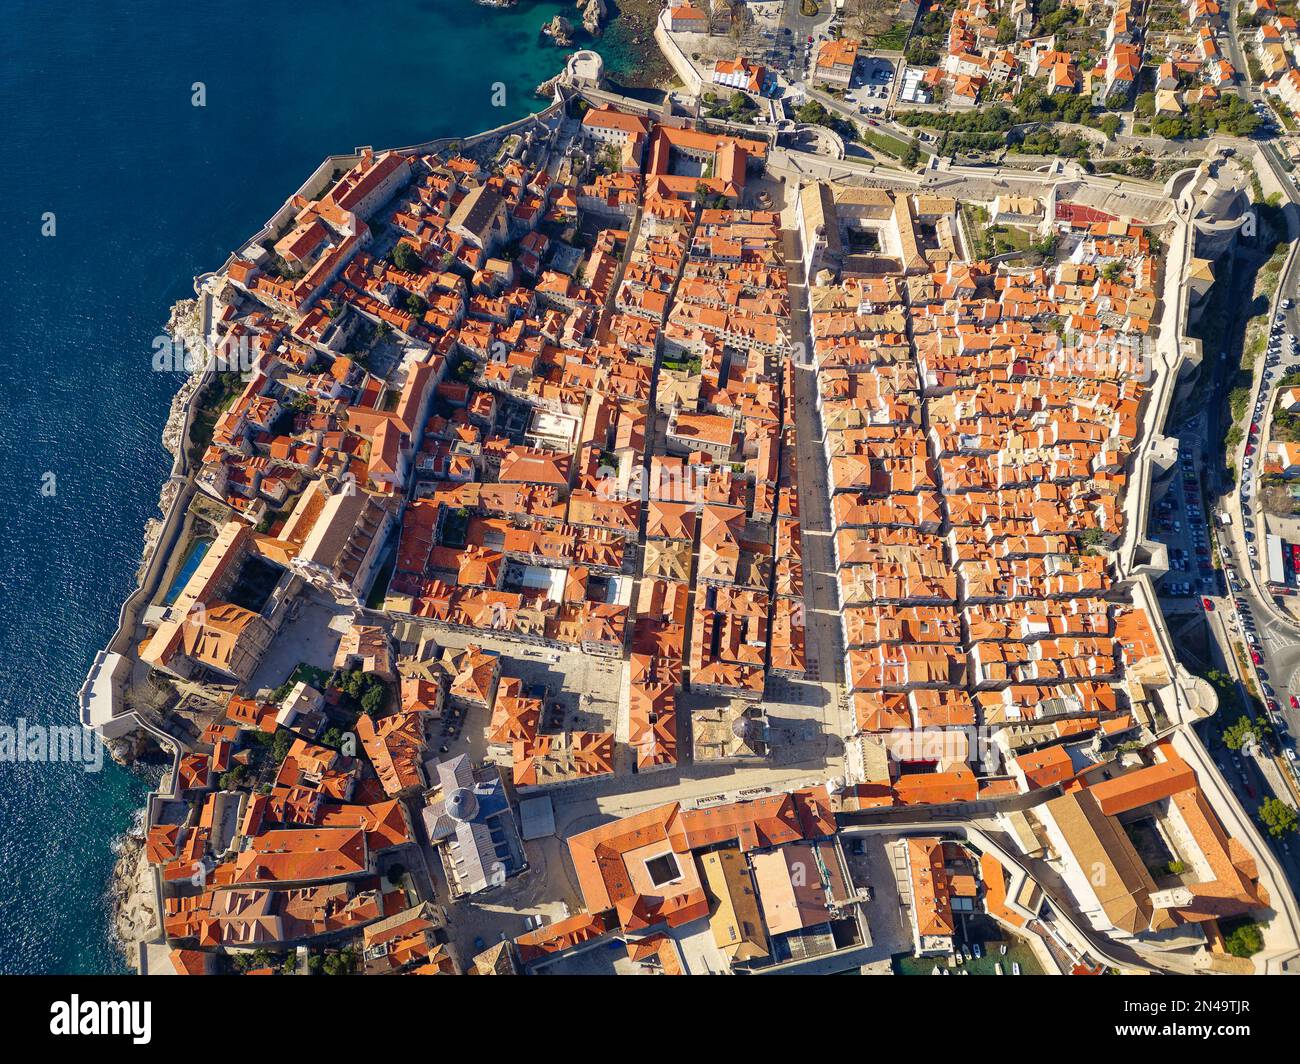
(892, 40)
(1009, 238)
(883, 141)
(318, 678)
(893, 146)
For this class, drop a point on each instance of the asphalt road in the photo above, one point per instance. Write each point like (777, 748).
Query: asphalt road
(805, 26)
(1279, 639)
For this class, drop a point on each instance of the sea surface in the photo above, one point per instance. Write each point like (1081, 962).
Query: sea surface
(146, 190)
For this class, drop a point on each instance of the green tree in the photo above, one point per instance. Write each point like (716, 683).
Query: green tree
(354, 684)
(911, 154)
(280, 744)
(341, 963)
(921, 53)
(812, 114)
(1278, 817)
(373, 699)
(1240, 732)
(1244, 940)
(405, 257)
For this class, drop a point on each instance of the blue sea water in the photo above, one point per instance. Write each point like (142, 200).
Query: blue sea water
(146, 191)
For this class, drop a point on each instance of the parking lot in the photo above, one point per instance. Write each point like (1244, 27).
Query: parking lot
(1179, 523)
(873, 82)
(1281, 357)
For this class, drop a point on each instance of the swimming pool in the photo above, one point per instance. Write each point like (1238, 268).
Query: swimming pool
(192, 558)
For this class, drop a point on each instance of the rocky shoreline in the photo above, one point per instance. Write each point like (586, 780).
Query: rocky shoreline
(185, 329)
(135, 918)
(633, 26)
(591, 15)
(632, 30)
(131, 895)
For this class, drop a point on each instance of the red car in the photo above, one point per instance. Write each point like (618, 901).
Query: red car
(1295, 702)
(1256, 657)
(1250, 449)
(1209, 606)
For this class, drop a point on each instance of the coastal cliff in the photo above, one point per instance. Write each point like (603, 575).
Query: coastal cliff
(593, 16)
(560, 30)
(131, 892)
(594, 13)
(184, 326)
(631, 33)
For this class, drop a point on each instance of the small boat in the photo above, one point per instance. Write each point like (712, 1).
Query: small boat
(1015, 968)
(997, 969)
(977, 951)
(1003, 949)
(946, 972)
(952, 962)
(935, 970)
(965, 973)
